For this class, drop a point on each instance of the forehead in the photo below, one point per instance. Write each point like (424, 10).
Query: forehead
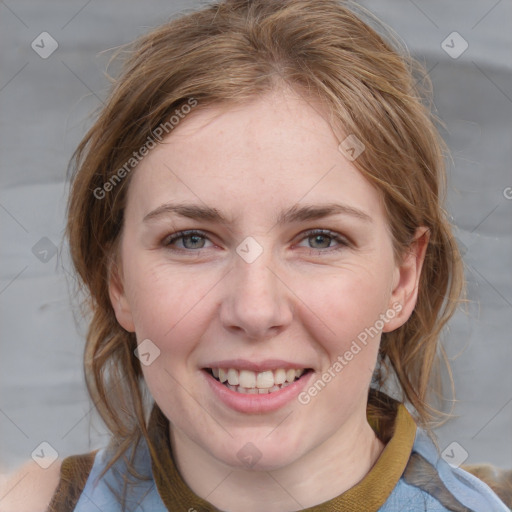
(261, 156)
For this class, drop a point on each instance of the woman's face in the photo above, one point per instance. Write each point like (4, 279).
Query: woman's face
(260, 293)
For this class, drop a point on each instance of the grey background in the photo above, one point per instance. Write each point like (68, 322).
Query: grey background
(44, 109)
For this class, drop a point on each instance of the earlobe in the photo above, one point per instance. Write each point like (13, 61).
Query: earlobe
(118, 298)
(407, 279)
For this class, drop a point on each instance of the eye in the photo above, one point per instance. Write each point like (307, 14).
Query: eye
(190, 240)
(324, 237)
(194, 240)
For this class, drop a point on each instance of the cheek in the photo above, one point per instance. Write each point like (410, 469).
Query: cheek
(173, 305)
(353, 312)
(167, 305)
(347, 330)
(353, 302)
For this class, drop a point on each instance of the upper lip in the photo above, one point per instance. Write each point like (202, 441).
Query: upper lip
(266, 365)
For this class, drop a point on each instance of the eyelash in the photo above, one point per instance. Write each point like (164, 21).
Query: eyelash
(308, 234)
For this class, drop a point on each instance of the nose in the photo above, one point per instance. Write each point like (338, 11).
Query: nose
(256, 300)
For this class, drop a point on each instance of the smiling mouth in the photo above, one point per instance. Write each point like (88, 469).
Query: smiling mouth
(249, 382)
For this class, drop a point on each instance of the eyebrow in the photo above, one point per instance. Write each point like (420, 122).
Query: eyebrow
(293, 214)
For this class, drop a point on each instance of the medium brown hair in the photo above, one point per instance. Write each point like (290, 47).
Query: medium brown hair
(231, 52)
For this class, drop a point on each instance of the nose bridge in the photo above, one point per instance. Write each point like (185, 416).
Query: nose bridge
(254, 276)
(256, 300)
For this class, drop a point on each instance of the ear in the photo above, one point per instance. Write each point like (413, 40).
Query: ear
(406, 280)
(118, 297)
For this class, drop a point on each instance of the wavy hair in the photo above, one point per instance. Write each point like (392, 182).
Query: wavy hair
(230, 52)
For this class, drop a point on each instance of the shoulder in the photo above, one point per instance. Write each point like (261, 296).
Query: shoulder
(453, 487)
(498, 479)
(30, 488)
(58, 487)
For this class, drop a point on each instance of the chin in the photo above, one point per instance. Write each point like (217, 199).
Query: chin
(257, 455)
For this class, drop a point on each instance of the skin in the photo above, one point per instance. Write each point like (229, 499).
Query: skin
(303, 299)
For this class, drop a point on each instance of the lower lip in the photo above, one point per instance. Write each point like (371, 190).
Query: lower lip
(254, 403)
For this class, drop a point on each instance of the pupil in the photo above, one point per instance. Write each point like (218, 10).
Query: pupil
(320, 237)
(194, 238)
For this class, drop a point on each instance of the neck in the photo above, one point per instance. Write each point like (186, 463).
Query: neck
(321, 474)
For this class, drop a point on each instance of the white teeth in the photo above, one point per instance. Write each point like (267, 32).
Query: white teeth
(233, 377)
(247, 379)
(290, 375)
(279, 376)
(265, 379)
(254, 383)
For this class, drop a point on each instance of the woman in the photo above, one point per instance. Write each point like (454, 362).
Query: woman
(257, 218)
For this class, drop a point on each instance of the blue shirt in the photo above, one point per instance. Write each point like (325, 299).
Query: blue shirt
(428, 483)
